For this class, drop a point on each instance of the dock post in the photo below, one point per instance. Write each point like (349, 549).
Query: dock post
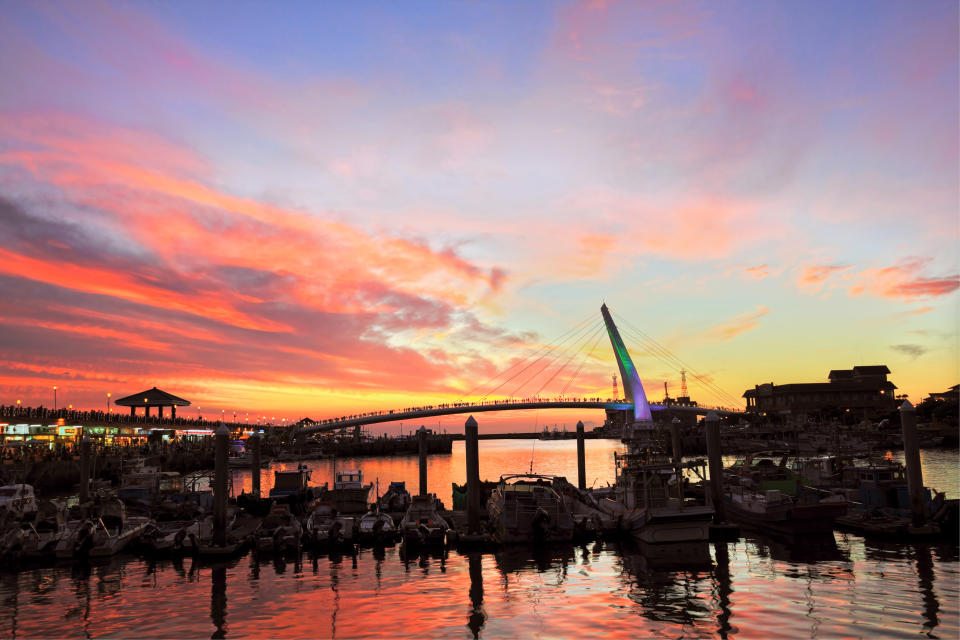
(581, 459)
(911, 457)
(84, 469)
(712, 422)
(222, 437)
(677, 455)
(472, 448)
(422, 443)
(255, 463)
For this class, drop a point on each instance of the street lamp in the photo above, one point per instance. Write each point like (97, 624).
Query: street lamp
(54, 397)
(108, 403)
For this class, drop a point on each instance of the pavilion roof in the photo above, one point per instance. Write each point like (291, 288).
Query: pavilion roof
(152, 397)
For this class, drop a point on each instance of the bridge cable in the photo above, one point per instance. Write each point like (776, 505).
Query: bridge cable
(585, 339)
(575, 328)
(672, 360)
(551, 349)
(582, 362)
(572, 356)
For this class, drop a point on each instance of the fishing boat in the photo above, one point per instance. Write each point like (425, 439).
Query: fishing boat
(651, 491)
(326, 528)
(349, 494)
(422, 523)
(376, 527)
(396, 499)
(279, 531)
(102, 535)
(765, 494)
(18, 500)
(527, 508)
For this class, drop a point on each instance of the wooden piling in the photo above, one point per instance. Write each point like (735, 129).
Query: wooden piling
(255, 463)
(911, 457)
(422, 446)
(581, 459)
(220, 471)
(715, 462)
(84, 469)
(472, 450)
(677, 455)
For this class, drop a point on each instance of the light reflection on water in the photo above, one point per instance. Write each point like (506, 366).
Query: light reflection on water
(752, 587)
(755, 587)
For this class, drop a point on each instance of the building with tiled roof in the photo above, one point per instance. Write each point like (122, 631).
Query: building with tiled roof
(864, 390)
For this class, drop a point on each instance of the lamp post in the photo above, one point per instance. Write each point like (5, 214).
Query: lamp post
(108, 403)
(54, 397)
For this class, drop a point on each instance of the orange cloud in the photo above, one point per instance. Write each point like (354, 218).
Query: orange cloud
(812, 277)
(738, 324)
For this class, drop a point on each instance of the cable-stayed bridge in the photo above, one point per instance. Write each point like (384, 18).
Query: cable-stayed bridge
(635, 401)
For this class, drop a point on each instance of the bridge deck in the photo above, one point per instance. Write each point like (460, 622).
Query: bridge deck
(445, 410)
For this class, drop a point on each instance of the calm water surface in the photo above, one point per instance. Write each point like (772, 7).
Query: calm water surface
(756, 587)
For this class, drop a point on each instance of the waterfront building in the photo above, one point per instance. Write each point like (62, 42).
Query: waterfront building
(863, 391)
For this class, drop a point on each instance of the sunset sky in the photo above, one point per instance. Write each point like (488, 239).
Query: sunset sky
(315, 209)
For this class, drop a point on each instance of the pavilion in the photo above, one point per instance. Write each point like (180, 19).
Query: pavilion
(153, 398)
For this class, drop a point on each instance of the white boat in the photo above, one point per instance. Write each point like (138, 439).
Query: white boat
(377, 527)
(422, 523)
(349, 494)
(325, 527)
(528, 508)
(279, 531)
(651, 493)
(19, 500)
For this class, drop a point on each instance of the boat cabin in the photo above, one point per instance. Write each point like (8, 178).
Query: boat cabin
(349, 479)
(291, 482)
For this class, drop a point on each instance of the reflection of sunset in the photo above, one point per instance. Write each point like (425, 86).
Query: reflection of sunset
(600, 589)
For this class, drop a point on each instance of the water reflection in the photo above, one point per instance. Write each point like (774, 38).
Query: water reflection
(722, 589)
(808, 548)
(218, 601)
(931, 605)
(666, 580)
(477, 616)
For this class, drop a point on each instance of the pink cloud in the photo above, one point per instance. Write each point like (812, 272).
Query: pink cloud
(813, 277)
(904, 281)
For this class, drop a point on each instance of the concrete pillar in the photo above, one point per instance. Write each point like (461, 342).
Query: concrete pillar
(255, 462)
(422, 442)
(712, 423)
(222, 438)
(160, 412)
(911, 457)
(173, 412)
(133, 411)
(677, 455)
(581, 459)
(472, 449)
(84, 469)
(146, 411)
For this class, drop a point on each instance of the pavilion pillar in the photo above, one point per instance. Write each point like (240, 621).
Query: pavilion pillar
(146, 411)
(160, 412)
(173, 412)
(133, 411)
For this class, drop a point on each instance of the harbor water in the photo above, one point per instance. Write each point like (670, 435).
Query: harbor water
(754, 587)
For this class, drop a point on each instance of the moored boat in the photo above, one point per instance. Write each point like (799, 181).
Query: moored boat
(527, 508)
(422, 523)
(349, 494)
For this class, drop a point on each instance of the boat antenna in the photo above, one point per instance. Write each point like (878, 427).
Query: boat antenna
(532, 449)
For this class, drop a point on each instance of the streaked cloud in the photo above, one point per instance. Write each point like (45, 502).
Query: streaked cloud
(738, 324)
